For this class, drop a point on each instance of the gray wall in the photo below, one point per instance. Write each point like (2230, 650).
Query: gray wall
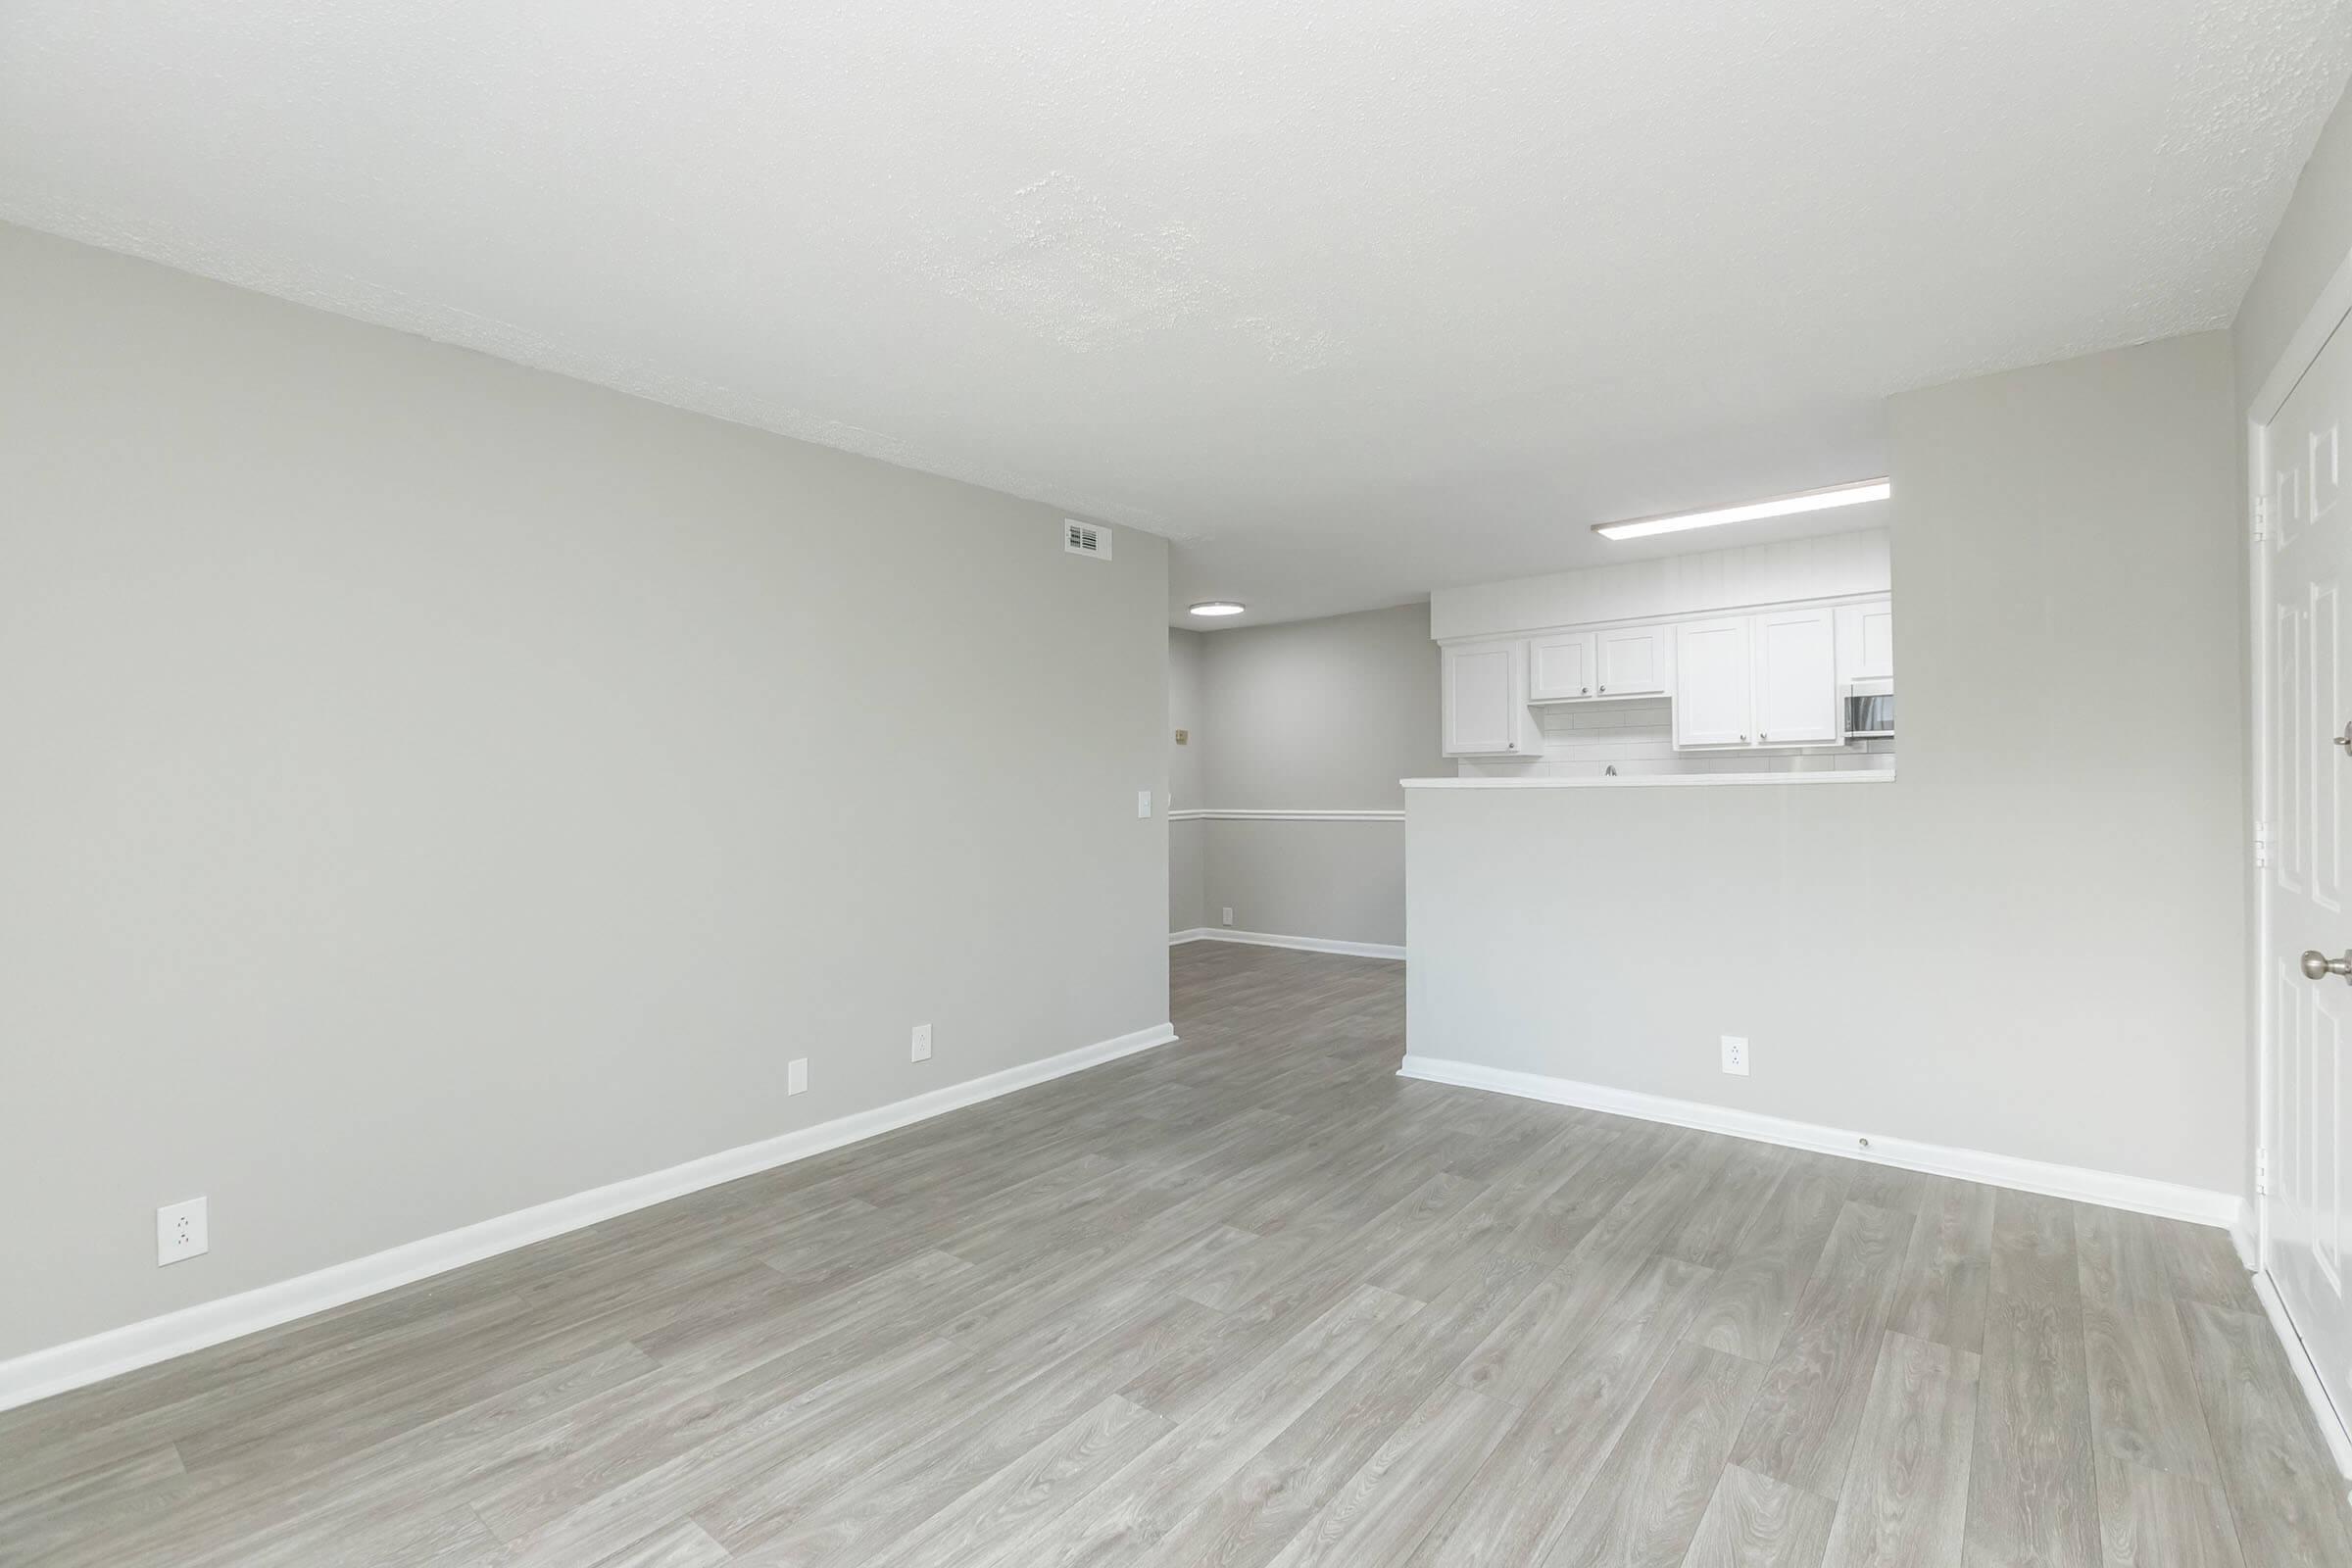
(2313, 240)
(1326, 714)
(1320, 715)
(2032, 942)
(436, 787)
(1188, 841)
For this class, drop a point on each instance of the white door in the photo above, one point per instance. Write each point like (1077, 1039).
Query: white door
(1712, 695)
(1559, 667)
(1797, 678)
(1633, 661)
(2307, 698)
(1483, 705)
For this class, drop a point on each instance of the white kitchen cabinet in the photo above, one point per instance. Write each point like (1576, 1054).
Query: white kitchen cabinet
(1713, 686)
(1866, 641)
(1560, 666)
(1571, 666)
(1795, 653)
(1635, 661)
(1485, 700)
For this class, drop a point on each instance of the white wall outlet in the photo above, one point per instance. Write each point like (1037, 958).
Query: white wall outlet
(796, 1076)
(1143, 802)
(181, 1231)
(1229, 914)
(922, 1042)
(1735, 1054)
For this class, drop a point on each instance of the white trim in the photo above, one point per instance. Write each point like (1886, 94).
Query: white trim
(2318, 327)
(2298, 1356)
(2318, 324)
(1205, 813)
(2195, 1204)
(1267, 939)
(1874, 775)
(43, 1373)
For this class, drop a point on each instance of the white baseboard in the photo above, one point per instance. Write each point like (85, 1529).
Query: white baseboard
(2315, 1393)
(1267, 939)
(2298, 1356)
(43, 1373)
(2195, 1204)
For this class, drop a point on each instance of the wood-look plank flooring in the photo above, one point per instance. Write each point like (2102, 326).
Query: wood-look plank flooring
(1245, 1299)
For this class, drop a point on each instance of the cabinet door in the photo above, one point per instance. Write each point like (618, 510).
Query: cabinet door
(1711, 693)
(1866, 641)
(1874, 657)
(1484, 708)
(1797, 678)
(1633, 660)
(1559, 667)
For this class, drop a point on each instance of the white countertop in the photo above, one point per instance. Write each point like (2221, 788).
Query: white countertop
(1883, 775)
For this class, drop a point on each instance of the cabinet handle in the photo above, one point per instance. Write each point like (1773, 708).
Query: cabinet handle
(1604, 691)
(1583, 691)
(1743, 740)
(1760, 735)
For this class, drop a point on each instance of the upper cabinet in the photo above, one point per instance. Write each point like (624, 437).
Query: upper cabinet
(1797, 678)
(1713, 698)
(1568, 666)
(1560, 666)
(1485, 690)
(1866, 641)
(1636, 660)
(1757, 680)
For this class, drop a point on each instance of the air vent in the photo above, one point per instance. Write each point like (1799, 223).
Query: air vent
(1085, 538)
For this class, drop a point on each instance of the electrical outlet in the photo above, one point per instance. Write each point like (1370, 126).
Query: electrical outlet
(796, 1076)
(1735, 1054)
(181, 1231)
(922, 1042)
(1143, 802)
(1229, 914)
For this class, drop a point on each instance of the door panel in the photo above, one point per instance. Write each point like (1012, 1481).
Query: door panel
(1560, 666)
(1633, 660)
(1712, 697)
(1481, 699)
(2308, 1210)
(1797, 678)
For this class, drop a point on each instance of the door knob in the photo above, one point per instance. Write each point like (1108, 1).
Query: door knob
(2317, 966)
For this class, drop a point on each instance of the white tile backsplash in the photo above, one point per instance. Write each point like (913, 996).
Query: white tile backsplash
(1637, 737)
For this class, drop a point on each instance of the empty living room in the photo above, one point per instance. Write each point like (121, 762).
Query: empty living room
(1015, 786)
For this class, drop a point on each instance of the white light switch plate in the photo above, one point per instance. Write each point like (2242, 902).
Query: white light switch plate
(181, 1231)
(1143, 802)
(922, 1042)
(796, 1076)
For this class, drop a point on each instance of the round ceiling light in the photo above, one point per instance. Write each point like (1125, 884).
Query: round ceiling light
(1217, 606)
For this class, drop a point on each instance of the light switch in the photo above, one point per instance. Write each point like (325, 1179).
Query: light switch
(1143, 802)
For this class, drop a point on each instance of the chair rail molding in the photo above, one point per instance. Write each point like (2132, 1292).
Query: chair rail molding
(1216, 813)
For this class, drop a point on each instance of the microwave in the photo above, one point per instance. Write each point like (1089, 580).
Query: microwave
(1870, 709)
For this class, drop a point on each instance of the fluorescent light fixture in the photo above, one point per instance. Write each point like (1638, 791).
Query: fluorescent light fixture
(1217, 606)
(1836, 495)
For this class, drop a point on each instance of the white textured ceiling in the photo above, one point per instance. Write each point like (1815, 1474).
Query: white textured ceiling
(1350, 299)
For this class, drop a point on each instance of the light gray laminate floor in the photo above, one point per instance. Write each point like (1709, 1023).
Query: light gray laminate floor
(1245, 1299)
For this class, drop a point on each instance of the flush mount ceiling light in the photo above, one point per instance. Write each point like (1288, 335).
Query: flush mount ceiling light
(1217, 606)
(1836, 495)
